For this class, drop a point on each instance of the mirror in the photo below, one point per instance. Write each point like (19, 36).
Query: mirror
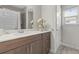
(30, 19)
(14, 17)
(9, 19)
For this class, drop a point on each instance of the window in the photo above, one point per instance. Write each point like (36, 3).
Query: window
(70, 15)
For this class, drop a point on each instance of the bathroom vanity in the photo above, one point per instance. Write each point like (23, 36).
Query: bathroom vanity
(32, 44)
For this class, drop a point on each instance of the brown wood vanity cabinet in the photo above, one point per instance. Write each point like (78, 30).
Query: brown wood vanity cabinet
(19, 50)
(36, 44)
(36, 47)
(46, 42)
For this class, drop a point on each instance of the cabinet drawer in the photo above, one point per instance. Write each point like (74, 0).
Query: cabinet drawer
(46, 35)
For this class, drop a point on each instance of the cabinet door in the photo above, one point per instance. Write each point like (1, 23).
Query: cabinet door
(46, 46)
(36, 47)
(20, 50)
(46, 42)
(9, 52)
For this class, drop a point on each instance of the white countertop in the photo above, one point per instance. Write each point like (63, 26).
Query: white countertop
(13, 36)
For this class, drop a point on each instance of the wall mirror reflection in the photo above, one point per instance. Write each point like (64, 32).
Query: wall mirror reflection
(16, 17)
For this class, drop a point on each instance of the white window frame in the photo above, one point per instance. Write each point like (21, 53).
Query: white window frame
(70, 16)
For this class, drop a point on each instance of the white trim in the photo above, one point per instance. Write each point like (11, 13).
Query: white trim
(71, 46)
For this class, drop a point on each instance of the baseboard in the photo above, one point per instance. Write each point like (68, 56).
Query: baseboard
(71, 46)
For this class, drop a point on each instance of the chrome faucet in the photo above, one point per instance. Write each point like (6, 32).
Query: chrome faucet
(21, 31)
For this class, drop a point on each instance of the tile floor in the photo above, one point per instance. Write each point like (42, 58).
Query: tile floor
(67, 50)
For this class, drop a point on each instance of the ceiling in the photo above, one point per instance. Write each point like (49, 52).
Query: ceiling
(14, 7)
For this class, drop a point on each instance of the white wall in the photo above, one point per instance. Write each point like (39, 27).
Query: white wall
(71, 36)
(49, 14)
